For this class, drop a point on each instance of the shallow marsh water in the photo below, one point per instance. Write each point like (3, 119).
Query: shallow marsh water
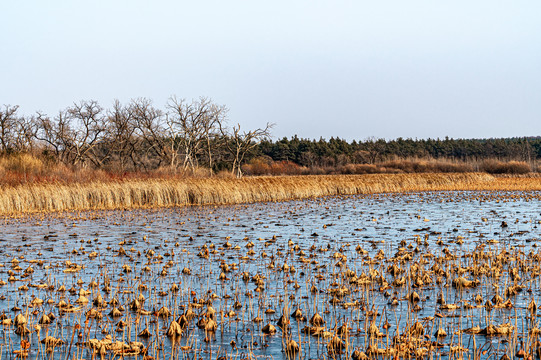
(327, 241)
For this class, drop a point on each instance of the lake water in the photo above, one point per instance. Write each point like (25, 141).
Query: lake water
(332, 244)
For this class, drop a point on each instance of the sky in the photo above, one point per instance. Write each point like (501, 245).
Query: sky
(349, 69)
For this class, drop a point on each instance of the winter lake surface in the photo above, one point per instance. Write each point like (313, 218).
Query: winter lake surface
(375, 275)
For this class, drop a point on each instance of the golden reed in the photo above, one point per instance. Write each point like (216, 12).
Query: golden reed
(195, 191)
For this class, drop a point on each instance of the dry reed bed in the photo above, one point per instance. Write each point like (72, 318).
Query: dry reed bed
(193, 191)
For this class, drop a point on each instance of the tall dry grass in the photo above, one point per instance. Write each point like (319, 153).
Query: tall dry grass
(152, 193)
(27, 169)
(191, 191)
(501, 167)
(263, 166)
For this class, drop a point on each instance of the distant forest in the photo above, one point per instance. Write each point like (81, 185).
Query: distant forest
(195, 138)
(337, 152)
(503, 155)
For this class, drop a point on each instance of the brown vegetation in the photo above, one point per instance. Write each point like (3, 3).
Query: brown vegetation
(187, 136)
(132, 137)
(365, 297)
(501, 167)
(127, 194)
(33, 184)
(263, 166)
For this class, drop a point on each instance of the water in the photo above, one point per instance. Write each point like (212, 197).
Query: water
(320, 238)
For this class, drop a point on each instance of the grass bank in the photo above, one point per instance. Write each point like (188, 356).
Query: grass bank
(193, 191)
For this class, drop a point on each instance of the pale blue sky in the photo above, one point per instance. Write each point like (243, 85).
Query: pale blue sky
(351, 69)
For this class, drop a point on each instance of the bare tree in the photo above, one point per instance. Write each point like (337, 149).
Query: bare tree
(52, 133)
(183, 129)
(86, 129)
(239, 143)
(8, 121)
(192, 126)
(75, 133)
(211, 124)
(123, 143)
(25, 134)
(149, 123)
(17, 133)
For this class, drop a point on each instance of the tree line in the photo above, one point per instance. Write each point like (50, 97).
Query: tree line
(338, 152)
(136, 136)
(190, 135)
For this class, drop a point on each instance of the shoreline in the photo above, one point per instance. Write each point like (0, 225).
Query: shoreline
(138, 194)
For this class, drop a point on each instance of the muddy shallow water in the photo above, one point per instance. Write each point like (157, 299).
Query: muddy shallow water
(245, 266)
